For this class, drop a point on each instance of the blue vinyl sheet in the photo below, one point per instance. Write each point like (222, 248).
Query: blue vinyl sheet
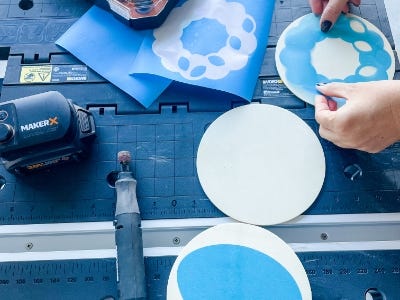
(110, 48)
(217, 44)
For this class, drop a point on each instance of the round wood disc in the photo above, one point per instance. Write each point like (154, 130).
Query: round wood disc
(354, 50)
(260, 164)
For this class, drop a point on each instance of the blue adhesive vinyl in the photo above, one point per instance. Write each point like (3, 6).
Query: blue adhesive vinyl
(110, 47)
(217, 44)
(228, 271)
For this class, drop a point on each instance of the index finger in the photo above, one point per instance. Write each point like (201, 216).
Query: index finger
(331, 12)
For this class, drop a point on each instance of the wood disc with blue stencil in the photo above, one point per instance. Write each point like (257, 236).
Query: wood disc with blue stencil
(260, 164)
(354, 50)
(237, 261)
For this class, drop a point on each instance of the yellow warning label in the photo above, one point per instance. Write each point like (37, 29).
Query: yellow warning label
(35, 74)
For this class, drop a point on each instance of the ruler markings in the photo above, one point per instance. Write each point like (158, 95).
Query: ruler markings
(346, 274)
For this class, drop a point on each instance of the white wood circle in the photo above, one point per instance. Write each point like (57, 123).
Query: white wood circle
(260, 164)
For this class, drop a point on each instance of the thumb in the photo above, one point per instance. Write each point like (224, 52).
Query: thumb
(331, 12)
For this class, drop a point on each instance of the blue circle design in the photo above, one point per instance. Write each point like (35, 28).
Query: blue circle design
(234, 272)
(216, 60)
(248, 25)
(300, 40)
(184, 63)
(192, 36)
(198, 71)
(235, 42)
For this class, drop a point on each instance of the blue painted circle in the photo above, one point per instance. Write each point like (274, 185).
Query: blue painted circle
(216, 60)
(300, 40)
(184, 63)
(248, 25)
(235, 43)
(193, 36)
(198, 71)
(232, 272)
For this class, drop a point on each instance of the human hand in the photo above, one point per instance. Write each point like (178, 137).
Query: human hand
(330, 10)
(370, 119)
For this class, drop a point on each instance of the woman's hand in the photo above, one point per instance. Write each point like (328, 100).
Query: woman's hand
(330, 10)
(370, 119)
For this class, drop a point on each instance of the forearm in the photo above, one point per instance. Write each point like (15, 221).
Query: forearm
(394, 87)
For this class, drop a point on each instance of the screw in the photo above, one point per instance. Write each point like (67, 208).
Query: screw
(2, 182)
(353, 172)
(324, 236)
(29, 246)
(3, 115)
(176, 240)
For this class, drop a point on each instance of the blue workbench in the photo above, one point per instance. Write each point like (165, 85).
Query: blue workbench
(163, 140)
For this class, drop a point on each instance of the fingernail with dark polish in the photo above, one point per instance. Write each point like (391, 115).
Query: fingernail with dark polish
(326, 25)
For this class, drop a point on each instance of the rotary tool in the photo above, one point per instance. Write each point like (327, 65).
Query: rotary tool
(43, 130)
(128, 235)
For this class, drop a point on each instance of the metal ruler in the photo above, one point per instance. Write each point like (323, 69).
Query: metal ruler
(345, 257)
(75, 279)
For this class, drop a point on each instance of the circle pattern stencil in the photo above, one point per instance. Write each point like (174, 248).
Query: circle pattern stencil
(240, 39)
(354, 50)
